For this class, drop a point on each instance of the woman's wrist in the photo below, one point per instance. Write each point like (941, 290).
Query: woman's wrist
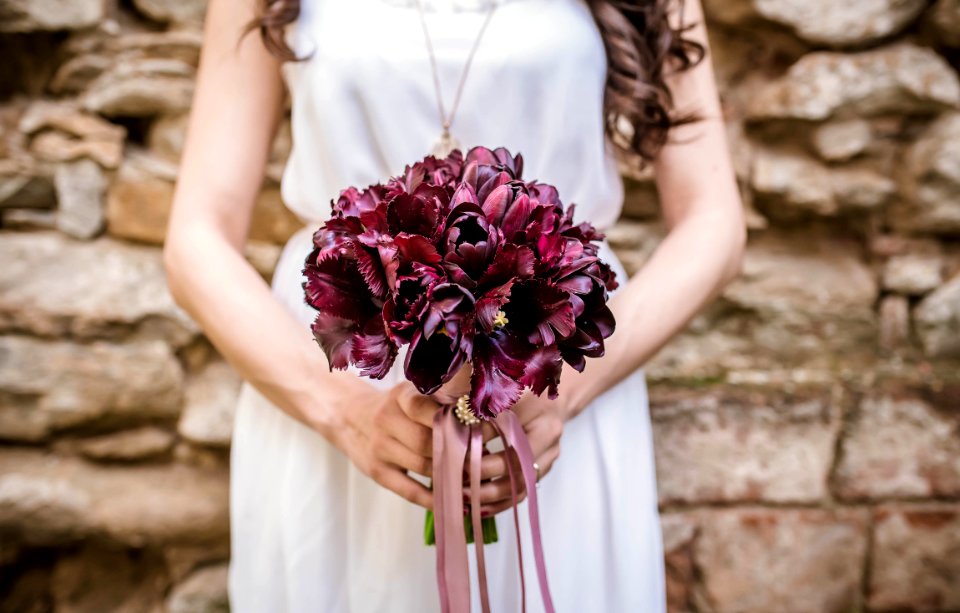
(325, 404)
(582, 388)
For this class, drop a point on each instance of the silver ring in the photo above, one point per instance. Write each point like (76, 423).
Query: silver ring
(536, 467)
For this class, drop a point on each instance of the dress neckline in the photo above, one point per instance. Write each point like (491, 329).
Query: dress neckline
(450, 6)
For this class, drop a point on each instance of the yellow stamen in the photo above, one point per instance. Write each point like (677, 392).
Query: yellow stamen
(464, 413)
(500, 320)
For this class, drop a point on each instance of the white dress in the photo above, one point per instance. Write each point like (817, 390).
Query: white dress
(309, 531)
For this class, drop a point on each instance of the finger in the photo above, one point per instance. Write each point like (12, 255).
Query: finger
(493, 466)
(412, 435)
(392, 451)
(547, 459)
(418, 407)
(398, 482)
(497, 488)
(496, 491)
(543, 433)
(489, 510)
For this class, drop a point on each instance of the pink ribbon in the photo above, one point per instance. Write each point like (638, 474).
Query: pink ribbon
(453, 442)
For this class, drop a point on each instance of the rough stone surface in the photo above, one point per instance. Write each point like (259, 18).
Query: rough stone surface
(204, 591)
(66, 117)
(798, 184)
(794, 181)
(141, 87)
(933, 178)
(125, 445)
(46, 499)
(34, 15)
(108, 579)
(894, 322)
(61, 132)
(945, 18)
(788, 312)
(679, 537)
(861, 190)
(29, 219)
(184, 559)
(916, 559)
(26, 190)
(53, 385)
(913, 274)
(167, 135)
(58, 147)
(211, 399)
(766, 559)
(897, 79)
(54, 286)
(749, 447)
(899, 448)
(80, 189)
(773, 317)
(823, 22)
(139, 201)
(937, 320)
(838, 141)
(188, 11)
(96, 56)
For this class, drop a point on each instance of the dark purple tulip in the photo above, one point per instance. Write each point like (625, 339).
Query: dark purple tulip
(503, 364)
(444, 341)
(498, 158)
(406, 306)
(349, 326)
(353, 202)
(540, 312)
(470, 243)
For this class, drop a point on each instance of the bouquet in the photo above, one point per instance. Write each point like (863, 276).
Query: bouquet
(468, 266)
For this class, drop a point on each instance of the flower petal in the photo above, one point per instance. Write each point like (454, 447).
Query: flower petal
(495, 382)
(335, 286)
(372, 352)
(431, 362)
(335, 336)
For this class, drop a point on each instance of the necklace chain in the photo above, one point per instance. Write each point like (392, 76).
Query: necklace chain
(446, 119)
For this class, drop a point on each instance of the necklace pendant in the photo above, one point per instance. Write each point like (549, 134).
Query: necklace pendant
(444, 145)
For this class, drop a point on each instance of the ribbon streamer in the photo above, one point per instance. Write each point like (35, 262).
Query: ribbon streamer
(453, 442)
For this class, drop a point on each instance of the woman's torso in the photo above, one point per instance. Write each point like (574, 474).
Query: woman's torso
(364, 103)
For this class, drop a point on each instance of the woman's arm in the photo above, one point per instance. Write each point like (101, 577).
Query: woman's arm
(236, 108)
(703, 249)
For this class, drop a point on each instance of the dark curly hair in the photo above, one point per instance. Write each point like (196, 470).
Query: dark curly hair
(642, 47)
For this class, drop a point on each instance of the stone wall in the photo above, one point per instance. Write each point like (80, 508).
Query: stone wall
(807, 425)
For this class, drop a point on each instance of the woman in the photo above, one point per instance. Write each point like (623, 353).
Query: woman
(328, 468)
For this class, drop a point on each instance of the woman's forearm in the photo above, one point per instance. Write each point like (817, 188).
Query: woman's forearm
(699, 256)
(269, 348)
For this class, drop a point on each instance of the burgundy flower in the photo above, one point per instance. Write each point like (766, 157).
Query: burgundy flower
(465, 262)
(503, 364)
(349, 325)
(444, 341)
(470, 243)
(417, 213)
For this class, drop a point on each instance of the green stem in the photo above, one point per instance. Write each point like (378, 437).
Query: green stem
(488, 525)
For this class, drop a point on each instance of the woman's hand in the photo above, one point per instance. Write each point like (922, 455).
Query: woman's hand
(543, 421)
(386, 434)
